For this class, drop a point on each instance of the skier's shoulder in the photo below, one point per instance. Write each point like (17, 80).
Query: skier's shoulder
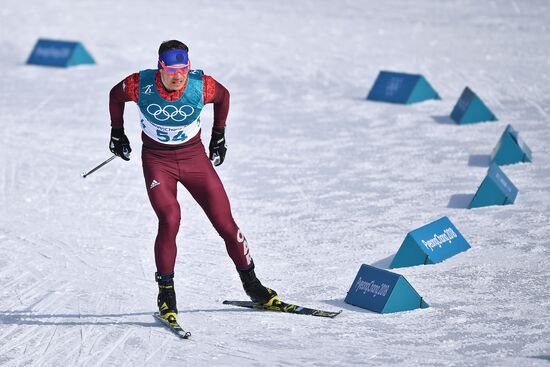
(131, 85)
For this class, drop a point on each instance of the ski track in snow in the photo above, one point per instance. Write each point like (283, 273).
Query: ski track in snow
(320, 181)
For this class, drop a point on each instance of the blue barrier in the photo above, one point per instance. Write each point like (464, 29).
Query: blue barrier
(401, 88)
(430, 244)
(382, 291)
(470, 109)
(59, 53)
(495, 189)
(510, 149)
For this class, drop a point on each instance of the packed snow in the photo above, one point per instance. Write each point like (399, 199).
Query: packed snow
(320, 181)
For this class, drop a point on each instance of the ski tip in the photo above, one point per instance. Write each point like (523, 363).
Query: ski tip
(336, 313)
(173, 326)
(329, 314)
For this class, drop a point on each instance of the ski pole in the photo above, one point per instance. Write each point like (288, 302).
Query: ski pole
(85, 174)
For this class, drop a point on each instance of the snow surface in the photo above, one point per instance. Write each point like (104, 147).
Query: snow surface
(320, 181)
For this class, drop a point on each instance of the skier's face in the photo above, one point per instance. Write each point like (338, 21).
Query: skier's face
(173, 81)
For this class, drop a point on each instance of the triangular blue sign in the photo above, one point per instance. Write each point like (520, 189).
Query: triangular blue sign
(430, 244)
(382, 291)
(470, 109)
(510, 149)
(59, 53)
(495, 189)
(401, 88)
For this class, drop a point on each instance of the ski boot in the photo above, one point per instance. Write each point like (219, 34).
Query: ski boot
(255, 290)
(166, 299)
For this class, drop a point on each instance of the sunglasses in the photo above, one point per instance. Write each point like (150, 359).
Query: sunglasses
(174, 69)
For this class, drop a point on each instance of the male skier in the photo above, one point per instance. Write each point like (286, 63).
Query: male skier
(170, 99)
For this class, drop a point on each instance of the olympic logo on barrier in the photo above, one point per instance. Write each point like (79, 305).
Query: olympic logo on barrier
(170, 111)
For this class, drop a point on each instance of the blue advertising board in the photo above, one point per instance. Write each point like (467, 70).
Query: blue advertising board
(430, 244)
(382, 291)
(495, 189)
(470, 109)
(401, 88)
(59, 53)
(510, 149)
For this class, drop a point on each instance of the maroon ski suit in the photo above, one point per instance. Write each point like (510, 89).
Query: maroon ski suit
(164, 166)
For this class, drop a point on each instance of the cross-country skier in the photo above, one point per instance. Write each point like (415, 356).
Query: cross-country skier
(170, 99)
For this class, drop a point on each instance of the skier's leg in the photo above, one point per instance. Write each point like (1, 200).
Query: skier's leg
(207, 189)
(161, 184)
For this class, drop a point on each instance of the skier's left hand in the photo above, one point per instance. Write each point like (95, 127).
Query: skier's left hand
(217, 146)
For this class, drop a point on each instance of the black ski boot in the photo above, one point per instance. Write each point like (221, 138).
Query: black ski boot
(255, 290)
(166, 299)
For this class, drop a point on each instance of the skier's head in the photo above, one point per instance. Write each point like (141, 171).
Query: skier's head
(173, 64)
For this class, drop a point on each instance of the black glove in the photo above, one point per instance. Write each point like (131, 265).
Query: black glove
(119, 144)
(217, 146)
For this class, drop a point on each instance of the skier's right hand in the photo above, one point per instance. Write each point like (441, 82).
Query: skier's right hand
(119, 144)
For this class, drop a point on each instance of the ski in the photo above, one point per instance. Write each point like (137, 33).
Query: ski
(284, 307)
(173, 325)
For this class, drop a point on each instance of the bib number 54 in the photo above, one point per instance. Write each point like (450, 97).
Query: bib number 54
(164, 137)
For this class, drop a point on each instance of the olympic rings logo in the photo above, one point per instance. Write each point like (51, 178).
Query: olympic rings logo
(170, 112)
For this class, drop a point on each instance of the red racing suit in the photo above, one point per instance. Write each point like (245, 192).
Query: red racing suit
(187, 163)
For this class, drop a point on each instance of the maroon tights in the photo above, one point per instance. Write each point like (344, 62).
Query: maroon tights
(163, 169)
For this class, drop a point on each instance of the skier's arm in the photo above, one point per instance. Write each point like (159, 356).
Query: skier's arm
(123, 92)
(216, 93)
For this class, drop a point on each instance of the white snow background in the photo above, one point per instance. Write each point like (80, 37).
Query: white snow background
(320, 181)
